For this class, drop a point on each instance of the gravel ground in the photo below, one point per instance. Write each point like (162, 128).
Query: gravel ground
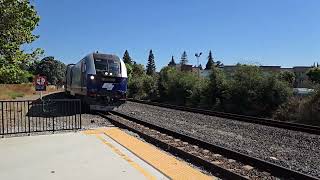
(295, 150)
(90, 121)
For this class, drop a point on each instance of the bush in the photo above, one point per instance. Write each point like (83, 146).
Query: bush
(12, 74)
(216, 90)
(288, 77)
(289, 111)
(142, 87)
(135, 88)
(310, 108)
(302, 110)
(252, 92)
(184, 88)
(150, 87)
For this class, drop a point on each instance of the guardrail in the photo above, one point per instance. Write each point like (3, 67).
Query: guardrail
(29, 116)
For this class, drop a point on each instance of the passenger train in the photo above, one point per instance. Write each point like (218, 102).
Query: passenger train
(100, 80)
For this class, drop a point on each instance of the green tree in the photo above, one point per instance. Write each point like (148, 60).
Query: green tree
(210, 62)
(129, 71)
(184, 88)
(151, 67)
(288, 77)
(172, 62)
(253, 93)
(184, 58)
(18, 20)
(217, 88)
(314, 75)
(126, 58)
(53, 69)
(138, 70)
(135, 70)
(150, 87)
(12, 74)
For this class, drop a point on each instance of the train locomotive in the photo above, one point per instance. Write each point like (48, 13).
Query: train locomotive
(99, 80)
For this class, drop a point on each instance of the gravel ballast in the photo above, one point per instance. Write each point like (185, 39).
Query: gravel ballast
(295, 150)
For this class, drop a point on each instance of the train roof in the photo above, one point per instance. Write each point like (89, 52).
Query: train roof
(105, 56)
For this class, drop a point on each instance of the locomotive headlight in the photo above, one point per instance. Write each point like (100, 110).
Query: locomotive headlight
(110, 74)
(106, 73)
(92, 77)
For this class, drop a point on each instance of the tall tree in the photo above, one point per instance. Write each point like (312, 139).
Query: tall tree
(184, 58)
(210, 62)
(53, 69)
(126, 58)
(172, 62)
(151, 66)
(18, 20)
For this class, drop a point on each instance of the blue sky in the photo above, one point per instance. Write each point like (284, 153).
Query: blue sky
(269, 32)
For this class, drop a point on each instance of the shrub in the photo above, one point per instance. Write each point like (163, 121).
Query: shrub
(184, 88)
(255, 93)
(289, 111)
(12, 74)
(310, 108)
(150, 87)
(302, 110)
(216, 89)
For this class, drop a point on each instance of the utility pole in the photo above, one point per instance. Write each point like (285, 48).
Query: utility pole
(198, 56)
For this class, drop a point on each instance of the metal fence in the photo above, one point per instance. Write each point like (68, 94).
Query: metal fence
(39, 115)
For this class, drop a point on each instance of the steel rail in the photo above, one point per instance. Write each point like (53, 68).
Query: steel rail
(272, 168)
(210, 167)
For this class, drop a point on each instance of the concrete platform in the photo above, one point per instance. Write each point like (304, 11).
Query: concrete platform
(93, 154)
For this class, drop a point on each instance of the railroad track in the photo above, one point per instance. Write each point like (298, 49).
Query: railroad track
(250, 119)
(222, 162)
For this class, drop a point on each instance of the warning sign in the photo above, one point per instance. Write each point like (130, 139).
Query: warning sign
(40, 83)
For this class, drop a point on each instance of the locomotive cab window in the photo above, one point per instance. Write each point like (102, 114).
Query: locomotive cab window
(108, 67)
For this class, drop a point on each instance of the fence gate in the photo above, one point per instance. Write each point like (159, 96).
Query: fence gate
(39, 115)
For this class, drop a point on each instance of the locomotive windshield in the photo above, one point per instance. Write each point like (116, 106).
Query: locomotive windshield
(110, 66)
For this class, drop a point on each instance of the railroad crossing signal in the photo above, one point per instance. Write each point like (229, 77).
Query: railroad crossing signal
(40, 83)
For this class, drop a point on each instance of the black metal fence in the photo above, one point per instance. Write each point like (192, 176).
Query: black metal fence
(39, 115)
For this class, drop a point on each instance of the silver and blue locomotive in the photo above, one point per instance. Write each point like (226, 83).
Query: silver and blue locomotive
(100, 80)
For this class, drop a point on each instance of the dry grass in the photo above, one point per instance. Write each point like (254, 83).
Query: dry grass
(12, 91)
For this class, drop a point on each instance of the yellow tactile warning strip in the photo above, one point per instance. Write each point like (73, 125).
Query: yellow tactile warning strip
(96, 132)
(148, 175)
(165, 163)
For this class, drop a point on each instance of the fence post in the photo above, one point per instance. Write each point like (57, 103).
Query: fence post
(53, 123)
(2, 118)
(29, 114)
(80, 111)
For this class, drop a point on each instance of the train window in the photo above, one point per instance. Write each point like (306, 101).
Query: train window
(110, 66)
(83, 67)
(114, 67)
(101, 65)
